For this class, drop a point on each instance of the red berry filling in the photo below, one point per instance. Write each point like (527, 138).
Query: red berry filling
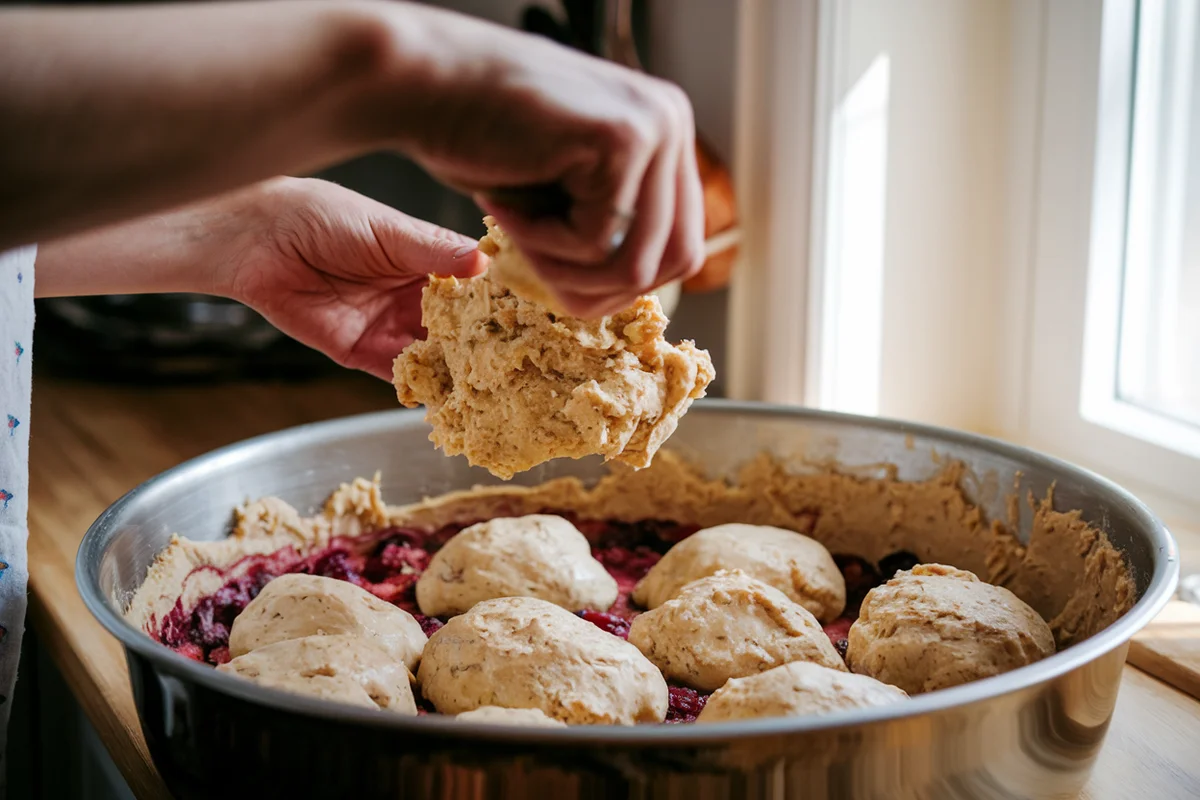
(387, 563)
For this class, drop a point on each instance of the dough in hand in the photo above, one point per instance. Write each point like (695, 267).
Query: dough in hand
(497, 715)
(510, 384)
(297, 605)
(793, 563)
(796, 689)
(346, 669)
(521, 652)
(729, 625)
(934, 627)
(539, 555)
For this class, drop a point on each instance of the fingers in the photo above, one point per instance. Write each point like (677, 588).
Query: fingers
(636, 209)
(420, 248)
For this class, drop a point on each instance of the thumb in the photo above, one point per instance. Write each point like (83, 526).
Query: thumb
(423, 248)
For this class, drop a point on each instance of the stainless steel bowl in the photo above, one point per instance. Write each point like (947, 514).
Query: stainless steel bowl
(1031, 733)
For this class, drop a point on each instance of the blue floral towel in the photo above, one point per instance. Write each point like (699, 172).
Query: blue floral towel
(16, 339)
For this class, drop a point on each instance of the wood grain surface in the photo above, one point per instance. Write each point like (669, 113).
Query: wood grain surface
(91, 444)
(1169, 647)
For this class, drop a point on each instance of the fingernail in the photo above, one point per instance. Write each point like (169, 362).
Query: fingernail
(465, 250)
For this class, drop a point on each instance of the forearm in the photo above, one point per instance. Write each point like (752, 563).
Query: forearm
(195, 100)
(183, 250)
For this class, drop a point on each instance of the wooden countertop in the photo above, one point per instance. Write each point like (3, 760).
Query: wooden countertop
(91, 444)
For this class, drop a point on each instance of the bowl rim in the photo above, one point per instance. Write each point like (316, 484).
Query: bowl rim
(1158, 592)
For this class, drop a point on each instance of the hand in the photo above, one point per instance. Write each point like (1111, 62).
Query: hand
(497, 110)
(338, 271)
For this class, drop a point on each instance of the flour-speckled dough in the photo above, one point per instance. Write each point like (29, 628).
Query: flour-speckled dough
(497, 715)
(935, 626)
(297, 605)
(793, 563)
(346, 669)
(510, 384)
(539, 555)
(796, 689)
(521, 652)
(729, 625)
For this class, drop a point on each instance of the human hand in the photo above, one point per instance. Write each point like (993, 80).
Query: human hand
(336, 270)
(514, 119)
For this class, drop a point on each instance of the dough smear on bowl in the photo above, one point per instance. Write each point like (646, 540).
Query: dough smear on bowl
(729, 625)
(539, 555)
(345, 668)
(933, 627)
(298, 605)
(796, 689)
(498, 715)
(793, 563)
(510, 384)
(521, 652)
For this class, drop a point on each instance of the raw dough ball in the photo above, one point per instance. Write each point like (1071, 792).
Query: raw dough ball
(293, 606)
(934, 626)
(347, 669)
(510, 716)
(793, 563)
(795, 690)
(521, 652)
(729, 625)
(511, 385)
(535, 556)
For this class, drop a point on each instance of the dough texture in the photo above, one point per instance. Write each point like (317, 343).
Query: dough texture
(539, 555)
(511, 269)
(793, 563)
(934, 627)
(511, 385)
(521, 652)
(796, 689)
(297, 605)
(729, 625)
(347, 669)
(510, 716)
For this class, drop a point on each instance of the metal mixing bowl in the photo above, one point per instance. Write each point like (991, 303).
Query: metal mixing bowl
(1030, 733)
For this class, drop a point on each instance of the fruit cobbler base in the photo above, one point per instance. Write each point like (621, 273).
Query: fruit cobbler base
(1068, 571)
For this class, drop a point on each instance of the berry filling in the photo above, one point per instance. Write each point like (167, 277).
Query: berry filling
(388, 563)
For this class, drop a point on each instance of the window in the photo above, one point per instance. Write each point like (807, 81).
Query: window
(997, 225)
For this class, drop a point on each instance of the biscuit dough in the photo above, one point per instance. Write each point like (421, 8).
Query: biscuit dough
(796, 689)
(344, 668)
(297, 605)
(510, 716)
(521, 652)
(509, 268)
(539, 555)
(1066, 568)
(935, 626)
(796, 565)
(511, 385)
(729, 625)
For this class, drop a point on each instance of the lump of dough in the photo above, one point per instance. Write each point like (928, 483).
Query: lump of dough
(497, 715)
(793, 563)
(521, 652)
(510, 384)
(729, 625)
(935, 626)
(343, 668)
(297, 605)
(539, 555)
(795, 690)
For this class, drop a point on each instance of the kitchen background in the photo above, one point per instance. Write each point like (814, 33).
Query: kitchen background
(977, 214)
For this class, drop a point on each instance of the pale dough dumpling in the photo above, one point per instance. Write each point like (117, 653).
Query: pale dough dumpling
(935, 626)
(793, 563)
(346, 669)
(795, 690)
(497, 715)
(521, 652)
(539, 555)
(294, 606)
(729, 625)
